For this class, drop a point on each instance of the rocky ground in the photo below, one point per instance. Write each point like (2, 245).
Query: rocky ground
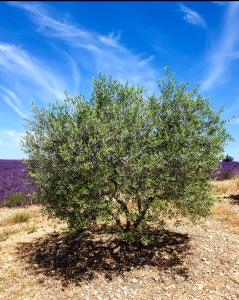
(38, 261)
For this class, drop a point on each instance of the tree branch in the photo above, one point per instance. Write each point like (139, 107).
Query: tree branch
(122, 204)
(143, 212)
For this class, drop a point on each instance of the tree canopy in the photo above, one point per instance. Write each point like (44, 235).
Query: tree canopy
(125, 157)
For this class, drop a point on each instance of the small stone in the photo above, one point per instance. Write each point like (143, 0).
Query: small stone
(200, 287)
(85, 233)
(116, 250)
(235, 277)
(156, 278)
(167, 294)
(172, 286)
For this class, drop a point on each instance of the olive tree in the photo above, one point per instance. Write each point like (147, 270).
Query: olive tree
(125, 157)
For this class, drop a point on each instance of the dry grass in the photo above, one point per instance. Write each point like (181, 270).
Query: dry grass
(16, 221)
(226, 209)
(226, 187)
(226, 213)
(15, 216)
(38, 260)
(6, 233)
(8, 213)
(19, 217)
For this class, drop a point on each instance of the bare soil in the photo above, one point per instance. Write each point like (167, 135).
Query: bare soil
(38, 260)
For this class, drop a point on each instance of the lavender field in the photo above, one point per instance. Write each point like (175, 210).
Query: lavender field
(227, 170)
(14, 180)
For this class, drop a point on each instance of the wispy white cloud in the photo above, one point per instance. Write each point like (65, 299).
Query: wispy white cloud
(225, 50)
(111, 39)
(146, 60)
(221, 3)
(192, 17)
(12, 100)
(11, 94)
(15, 60)
(26, 78)
(104, 53)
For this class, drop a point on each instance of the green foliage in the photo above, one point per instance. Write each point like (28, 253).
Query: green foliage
(123, 157)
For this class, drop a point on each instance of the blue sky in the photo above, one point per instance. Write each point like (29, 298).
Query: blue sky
(49, 48)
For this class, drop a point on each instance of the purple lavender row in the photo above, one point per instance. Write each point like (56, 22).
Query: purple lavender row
(14, 179)
(227, 170)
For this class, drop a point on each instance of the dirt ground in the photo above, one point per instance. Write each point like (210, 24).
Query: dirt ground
(39, 261)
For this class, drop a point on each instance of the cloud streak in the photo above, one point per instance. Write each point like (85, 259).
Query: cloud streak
(25, 78)
(220, 3)
(13, 58)
(12, 100)
(225, 50)
(192, 17)
(103, 53)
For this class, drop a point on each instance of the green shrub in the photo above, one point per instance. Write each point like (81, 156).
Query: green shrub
(17, 199)
(20, 217)
(125, 157)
